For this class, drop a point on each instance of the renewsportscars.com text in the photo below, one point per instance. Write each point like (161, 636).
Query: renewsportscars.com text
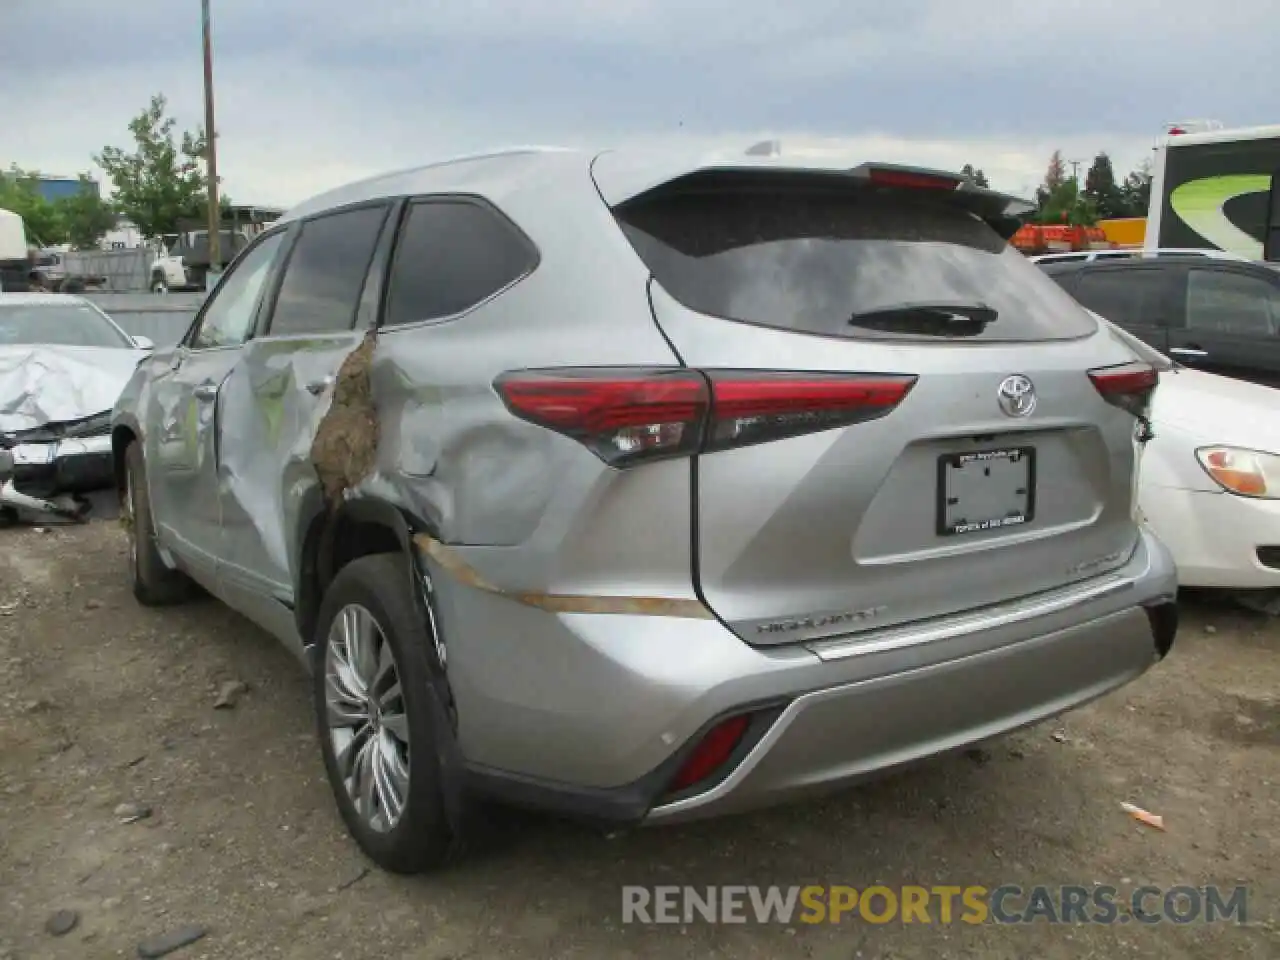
(1006, 904)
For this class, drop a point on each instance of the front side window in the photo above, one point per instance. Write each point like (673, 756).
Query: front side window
(228, 319)
(1223, 302)
(326, 271)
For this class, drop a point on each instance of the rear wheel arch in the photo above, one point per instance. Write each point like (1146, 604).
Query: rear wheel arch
(328, 541)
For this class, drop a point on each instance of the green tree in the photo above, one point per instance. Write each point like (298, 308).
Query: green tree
(162, 180)
(1066, 204)
(975, 175)
(20, 194)
(1054, 177)
(85, 216)
(1135, 192)
(1101, 189)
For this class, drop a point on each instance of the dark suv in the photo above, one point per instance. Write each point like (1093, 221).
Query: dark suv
(1216, 314)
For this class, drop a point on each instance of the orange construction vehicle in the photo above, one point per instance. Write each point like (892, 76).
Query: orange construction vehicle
(1034, 239)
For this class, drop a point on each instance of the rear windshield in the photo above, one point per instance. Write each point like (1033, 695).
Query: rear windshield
(858, 263)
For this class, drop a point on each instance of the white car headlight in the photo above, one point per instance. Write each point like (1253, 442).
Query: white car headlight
(1249, 473)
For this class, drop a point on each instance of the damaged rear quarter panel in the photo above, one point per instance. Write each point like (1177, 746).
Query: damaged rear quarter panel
(450, 452)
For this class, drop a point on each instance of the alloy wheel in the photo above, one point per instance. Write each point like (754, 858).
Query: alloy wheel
(368, 725)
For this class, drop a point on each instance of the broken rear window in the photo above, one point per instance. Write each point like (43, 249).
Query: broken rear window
(857, 262)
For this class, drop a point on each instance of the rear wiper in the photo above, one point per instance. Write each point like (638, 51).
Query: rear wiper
(945, 319)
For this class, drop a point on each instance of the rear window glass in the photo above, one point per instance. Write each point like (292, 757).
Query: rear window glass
(858, 263)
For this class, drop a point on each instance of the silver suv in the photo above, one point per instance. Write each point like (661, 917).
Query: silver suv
(645, 489)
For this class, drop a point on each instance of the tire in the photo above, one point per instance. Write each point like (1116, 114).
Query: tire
(159, 284)
(419, 838)
(154, 583)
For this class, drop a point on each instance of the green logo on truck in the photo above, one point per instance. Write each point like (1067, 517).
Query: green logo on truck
(1200, 205)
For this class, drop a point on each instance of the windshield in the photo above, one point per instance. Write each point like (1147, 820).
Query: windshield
(60, 324)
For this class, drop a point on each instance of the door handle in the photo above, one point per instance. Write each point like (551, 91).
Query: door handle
(317, 387)
(205, 392)
(1188, 352)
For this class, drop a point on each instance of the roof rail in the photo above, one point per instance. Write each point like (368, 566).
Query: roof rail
(1137, 253)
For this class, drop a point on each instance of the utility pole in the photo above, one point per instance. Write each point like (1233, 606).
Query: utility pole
(211, 149)
(1075, 165)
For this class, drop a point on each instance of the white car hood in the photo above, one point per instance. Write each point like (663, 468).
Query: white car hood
(40, 385)
(1219, 409)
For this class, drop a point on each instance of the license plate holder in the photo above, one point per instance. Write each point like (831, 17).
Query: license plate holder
(983, 490)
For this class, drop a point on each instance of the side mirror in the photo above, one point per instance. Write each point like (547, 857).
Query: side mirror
(143, 343)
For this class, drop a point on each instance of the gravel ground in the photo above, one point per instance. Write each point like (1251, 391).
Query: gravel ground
(107, 711)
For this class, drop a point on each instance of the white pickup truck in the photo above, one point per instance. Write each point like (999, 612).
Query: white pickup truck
(181, 260)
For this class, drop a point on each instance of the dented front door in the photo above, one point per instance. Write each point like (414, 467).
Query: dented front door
(181, 453)
(182, 413)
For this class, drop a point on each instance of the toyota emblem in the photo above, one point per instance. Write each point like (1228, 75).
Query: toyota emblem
(1016, 396)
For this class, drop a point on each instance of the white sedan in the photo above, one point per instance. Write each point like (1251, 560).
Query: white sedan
(63, 362)
(1210, 482)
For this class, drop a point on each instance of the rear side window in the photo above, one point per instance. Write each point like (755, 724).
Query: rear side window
(452, 255)
(855, 263)
(1223, 302)
(325, 273)
(1125, 297)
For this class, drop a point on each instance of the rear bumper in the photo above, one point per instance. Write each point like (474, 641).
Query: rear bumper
(593, 715)
(832, 737)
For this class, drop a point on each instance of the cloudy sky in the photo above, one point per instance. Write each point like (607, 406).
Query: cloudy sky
(311, 93)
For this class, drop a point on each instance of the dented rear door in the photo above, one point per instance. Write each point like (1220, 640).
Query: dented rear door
(282, 392)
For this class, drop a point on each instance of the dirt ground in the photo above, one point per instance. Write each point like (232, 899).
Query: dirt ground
(105, 703)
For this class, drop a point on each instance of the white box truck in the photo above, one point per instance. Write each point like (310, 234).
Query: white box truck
(1216, 188)
(15, 258)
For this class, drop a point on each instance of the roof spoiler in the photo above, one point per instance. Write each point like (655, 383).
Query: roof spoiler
(1003, 211)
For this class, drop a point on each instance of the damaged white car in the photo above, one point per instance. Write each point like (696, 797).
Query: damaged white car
(63, 363)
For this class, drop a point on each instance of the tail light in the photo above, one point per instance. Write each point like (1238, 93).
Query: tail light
(750, 408)
(624, 416)
(1128, 386)
(621, 416)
